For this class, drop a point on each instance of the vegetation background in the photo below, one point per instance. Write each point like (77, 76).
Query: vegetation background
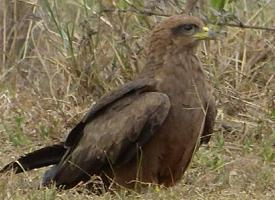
(57, 57)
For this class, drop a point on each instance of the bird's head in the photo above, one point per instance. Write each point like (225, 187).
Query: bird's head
(180, 32)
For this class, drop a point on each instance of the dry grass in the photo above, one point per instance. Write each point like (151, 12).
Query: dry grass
(58, 57)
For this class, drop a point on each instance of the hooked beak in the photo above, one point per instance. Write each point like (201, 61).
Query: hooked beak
(205, 33)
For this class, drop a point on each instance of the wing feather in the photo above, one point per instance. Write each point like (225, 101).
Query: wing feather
(211, 112)
(112, 136)
(139, 85)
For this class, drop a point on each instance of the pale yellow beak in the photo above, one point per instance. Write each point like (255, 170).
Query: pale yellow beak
(205, 33)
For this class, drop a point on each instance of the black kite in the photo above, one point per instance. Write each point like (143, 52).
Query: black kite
(147, 129)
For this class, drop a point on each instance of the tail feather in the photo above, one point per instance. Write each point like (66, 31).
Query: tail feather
(49, 155)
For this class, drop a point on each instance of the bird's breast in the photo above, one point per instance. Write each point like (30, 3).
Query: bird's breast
(179, 133)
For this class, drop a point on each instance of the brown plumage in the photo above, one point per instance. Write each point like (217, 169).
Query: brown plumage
(147, 129)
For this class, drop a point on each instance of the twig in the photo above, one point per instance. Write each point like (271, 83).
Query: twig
(240, 25)
(138, 11)
(151, 13)
(190, 4)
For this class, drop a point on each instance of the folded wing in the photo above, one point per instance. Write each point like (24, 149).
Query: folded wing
(111, 137)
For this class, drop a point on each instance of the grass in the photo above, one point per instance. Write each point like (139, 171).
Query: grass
(59, 57)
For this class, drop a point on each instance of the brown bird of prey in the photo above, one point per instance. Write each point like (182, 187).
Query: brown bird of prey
(148, 129)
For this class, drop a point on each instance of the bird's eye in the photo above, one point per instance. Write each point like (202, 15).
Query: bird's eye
(186, 29)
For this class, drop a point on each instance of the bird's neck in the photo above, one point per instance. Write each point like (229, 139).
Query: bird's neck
(166, 61)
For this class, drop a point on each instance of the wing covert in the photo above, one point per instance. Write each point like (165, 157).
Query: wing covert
(112, 137)
(139, 85)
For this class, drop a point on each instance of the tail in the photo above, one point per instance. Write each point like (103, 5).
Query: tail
(49, 155)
